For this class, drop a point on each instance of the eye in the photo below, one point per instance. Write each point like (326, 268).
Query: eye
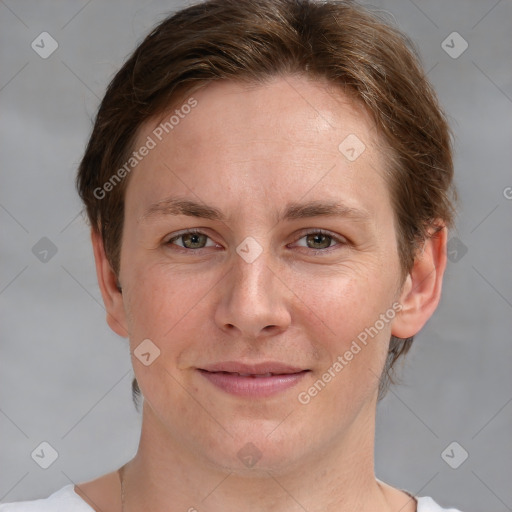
(191, 239)
(320, 241)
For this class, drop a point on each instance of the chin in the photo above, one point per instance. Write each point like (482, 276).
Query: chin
(258, 448)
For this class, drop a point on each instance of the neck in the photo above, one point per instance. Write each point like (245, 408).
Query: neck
(340, 477)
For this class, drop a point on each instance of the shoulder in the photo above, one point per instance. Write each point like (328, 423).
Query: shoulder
(63, 500)
(427, 504)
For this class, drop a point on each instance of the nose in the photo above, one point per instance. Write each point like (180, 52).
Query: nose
(255, 302)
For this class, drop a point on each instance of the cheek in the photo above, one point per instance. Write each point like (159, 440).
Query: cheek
(348, 298)
(162, 301)
(346, 315)
(353, 350)
(165, 307)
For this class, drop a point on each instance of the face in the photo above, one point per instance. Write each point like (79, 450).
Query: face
(291, 277)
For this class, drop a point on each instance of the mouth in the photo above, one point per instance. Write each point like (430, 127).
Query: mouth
(254, 381)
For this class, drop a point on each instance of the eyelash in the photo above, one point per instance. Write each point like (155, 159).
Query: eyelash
(341, 240)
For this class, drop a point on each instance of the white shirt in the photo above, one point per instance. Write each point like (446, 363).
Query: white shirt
(67, 500)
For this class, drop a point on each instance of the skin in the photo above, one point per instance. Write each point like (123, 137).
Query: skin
(250, 151)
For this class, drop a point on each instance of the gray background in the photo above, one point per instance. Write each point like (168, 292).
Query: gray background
(65, 377)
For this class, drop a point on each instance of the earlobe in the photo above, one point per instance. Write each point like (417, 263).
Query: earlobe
(109, 286)
(421, 291)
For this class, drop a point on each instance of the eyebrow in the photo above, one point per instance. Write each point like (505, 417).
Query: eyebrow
(293, 211)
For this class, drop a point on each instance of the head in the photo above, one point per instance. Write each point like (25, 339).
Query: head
(250, 110)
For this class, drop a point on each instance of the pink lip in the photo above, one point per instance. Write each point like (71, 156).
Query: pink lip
(254, 369)
(255, 380)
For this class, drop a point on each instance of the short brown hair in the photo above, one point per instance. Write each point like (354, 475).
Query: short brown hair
(256, 40)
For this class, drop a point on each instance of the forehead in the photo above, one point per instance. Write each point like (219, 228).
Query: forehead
(298, 108)
(290, 136)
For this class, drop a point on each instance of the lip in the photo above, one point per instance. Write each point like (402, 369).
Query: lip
(253, 380)
(253, 369)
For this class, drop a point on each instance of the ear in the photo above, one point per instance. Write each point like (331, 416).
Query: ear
(421, 291)
(107, 280)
